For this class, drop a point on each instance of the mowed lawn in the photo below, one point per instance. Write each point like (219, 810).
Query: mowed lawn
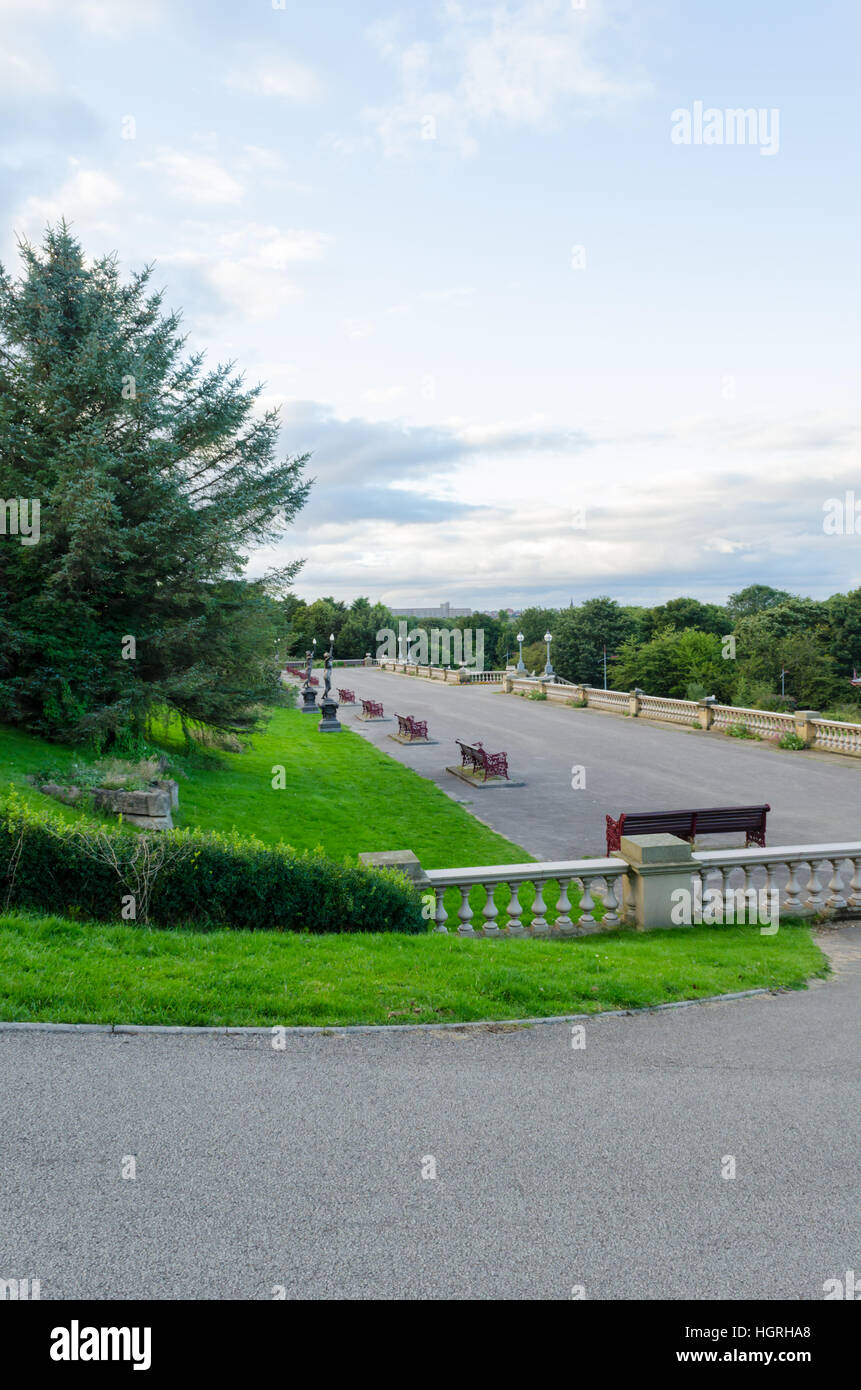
(340, 794)
(52, 969)
(345, 796)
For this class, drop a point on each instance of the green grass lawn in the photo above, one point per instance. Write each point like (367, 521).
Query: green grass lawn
(52, 969)
(341, 794)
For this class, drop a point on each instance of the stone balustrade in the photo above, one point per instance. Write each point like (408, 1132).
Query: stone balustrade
(639, 887)
(463, 675)
(831, 883)
(596, 881)
(835, 736)
(829, 735)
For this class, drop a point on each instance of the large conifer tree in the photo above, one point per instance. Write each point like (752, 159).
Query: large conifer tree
(155, 478)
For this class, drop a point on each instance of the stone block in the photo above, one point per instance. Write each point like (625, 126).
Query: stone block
(401, 859)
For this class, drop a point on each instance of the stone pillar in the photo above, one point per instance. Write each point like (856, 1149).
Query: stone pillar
(634, 702)
(507, 685)
(658, 865)
(705, 713)
(804, 725)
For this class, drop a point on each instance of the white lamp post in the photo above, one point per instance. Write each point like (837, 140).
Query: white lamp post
(520, 665)
(548, 669)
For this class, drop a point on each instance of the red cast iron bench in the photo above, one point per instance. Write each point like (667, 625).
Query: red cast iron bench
(411, 728)
(491, 764)
(347, 696)
(712, 820)
(371, 709)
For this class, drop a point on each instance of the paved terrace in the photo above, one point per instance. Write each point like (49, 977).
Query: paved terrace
(555, 1167)
(631, 765)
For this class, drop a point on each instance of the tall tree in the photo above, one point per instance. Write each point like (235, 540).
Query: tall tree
(756, 598)
(154, 479)
(580, 636)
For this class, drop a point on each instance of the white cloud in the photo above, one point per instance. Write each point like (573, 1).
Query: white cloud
(258, 157)
(104, 18)
(357, 328)
(83, 197)
(516, 65)
(193, 177)
(277, 77)
(247, 265)
(25, 76)
(381, 395)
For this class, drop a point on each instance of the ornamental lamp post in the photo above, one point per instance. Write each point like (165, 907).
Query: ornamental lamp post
(520, 663)
(328, 704)
(548, 669)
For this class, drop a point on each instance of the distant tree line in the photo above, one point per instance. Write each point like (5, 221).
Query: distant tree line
(682, 649)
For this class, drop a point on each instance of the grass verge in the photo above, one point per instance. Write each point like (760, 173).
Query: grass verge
(341, 794)
(56, 970)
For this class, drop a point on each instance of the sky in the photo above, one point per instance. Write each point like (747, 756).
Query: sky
(539, 347)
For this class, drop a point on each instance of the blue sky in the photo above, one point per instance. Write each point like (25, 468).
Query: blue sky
(538, 349)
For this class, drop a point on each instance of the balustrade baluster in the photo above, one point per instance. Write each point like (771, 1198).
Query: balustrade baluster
(563, 923)
(835, 899)
(538, 926)
(515, 925)
(440, 916)
(770, 889)
(587, 924)
(465, 913)
(490, 912)
(612, 902)
(855, 884)
(727, 903)
(814, 886)
(792, 892)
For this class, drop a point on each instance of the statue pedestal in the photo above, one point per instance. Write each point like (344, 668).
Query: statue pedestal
(329, 723)
(310, 698)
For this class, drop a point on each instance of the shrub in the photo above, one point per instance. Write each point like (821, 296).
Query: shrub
(192, 878)
(741, 731)
(844, 714)
(791, 741)
(538, 695)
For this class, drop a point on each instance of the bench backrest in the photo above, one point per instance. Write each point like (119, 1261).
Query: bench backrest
(658, 822)
(731, 817)
(705, 820)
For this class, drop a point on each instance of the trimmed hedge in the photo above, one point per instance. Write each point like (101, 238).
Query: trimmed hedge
(207, 879)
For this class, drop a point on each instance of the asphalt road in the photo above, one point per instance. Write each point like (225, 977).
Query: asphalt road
(629, 764)
(302, 1168)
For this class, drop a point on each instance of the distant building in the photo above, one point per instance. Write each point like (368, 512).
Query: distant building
(444, 610)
